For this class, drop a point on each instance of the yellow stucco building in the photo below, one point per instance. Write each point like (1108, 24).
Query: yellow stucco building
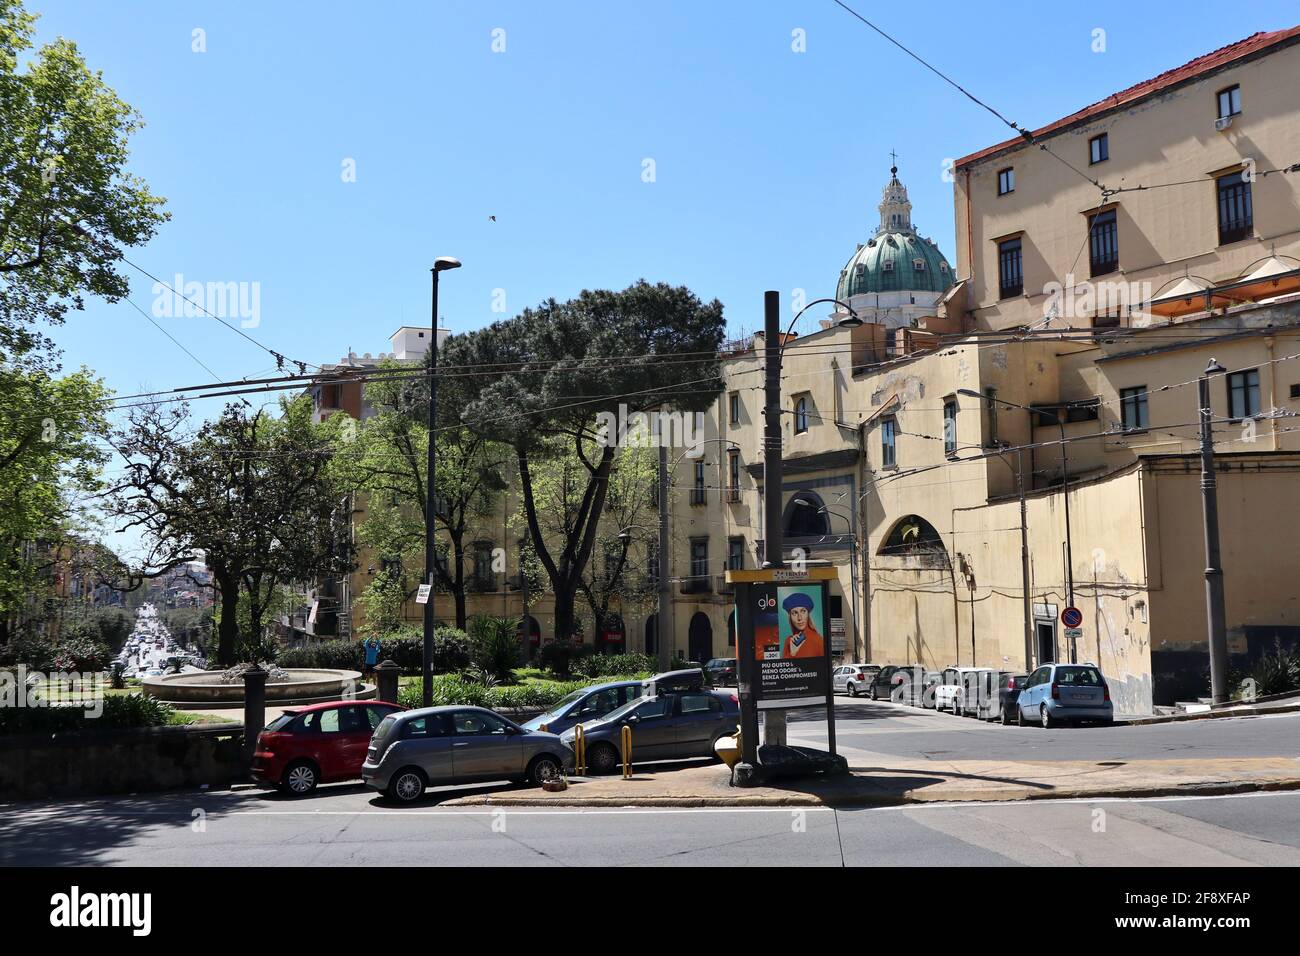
(1098, 271)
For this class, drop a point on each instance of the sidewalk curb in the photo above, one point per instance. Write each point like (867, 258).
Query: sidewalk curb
(848, 801)
(1244, 710)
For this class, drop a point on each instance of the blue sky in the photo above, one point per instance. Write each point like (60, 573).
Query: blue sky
(768, 163)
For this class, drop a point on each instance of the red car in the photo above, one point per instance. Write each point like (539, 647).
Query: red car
(319, 743)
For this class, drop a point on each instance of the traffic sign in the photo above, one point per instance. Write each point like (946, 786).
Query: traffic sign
(422, 596)
(1071, 617)
(1073, 633)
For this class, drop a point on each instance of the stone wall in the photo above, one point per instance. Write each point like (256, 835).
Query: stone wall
(89, 763)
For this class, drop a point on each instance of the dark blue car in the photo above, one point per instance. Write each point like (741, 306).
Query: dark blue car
(587, 705)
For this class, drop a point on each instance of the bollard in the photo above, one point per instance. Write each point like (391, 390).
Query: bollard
(579, 751)
(254, 709)
(387, 676)
(626, 736)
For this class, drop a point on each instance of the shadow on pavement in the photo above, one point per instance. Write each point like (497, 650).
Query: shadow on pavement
(84, 832)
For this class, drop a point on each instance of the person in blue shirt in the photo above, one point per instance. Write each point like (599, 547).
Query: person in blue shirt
(372, 646)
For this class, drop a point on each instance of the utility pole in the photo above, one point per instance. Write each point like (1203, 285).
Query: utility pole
(1216, 623)
(663, 619)
(441, 264)
(1026, 598)
(774, 725)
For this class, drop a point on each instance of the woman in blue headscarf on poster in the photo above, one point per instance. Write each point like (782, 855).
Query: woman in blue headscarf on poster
(803, 640)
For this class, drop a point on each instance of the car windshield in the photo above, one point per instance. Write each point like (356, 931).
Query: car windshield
(623, 711)
(1079, 676)
(568, 699)
(385, 726)
(281, 722)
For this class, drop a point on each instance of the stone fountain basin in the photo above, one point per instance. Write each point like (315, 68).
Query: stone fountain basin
(304, 684)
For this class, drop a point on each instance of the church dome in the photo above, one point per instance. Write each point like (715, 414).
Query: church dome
(895, 259)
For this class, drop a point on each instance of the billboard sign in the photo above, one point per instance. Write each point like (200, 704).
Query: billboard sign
(783, 633)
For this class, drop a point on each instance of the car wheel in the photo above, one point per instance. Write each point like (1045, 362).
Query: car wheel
(1020, 717)
(1045, 717)
(602, 758)
(407, 785)
(544, 767)
(852, 689)
(300, 778)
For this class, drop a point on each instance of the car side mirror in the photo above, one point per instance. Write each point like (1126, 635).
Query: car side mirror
(631, 719)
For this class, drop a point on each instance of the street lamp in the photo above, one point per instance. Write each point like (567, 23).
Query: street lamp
(1065, 494)
(773, 471)
(1216, 623)
(773, 480)
(441, 264)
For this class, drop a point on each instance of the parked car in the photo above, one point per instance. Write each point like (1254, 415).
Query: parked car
(907, 685)
(585, 705)
(980, 697)
(319, 743)
(435, 746)
(721, 671)
(669, 726)
(932, 679)
(883, 683)
(950, 689)
(690, 678)
(1058, 693)
(1009, 684)
(853, 679)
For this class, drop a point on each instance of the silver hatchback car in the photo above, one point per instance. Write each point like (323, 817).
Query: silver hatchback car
(434, 746)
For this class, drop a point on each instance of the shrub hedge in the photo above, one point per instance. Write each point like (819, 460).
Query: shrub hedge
(121, 712)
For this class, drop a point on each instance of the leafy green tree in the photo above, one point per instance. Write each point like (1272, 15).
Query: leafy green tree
(560, 365)
(67, 203)
(49, 466)
(259, 496)
(389, 463)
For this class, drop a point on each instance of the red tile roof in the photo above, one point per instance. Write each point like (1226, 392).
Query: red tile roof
(1202, 64)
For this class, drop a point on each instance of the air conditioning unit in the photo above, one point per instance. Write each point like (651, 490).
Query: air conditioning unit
(1222, 123)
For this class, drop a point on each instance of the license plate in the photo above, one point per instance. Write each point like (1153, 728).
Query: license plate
(1081, 697)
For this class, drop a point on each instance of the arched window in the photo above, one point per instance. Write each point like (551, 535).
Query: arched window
(801, 415)
(805, 515)
(912, 534)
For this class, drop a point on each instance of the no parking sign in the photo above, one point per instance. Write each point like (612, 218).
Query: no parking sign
(1071, 617)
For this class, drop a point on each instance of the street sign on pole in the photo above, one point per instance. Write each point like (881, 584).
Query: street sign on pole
(1071, 617)
(1073, 633)
(422, 596)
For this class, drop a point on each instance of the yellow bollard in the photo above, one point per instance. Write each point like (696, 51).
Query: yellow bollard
(579, 751)
(627, 752)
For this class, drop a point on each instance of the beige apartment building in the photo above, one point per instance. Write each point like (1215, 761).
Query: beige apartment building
(1099, 270)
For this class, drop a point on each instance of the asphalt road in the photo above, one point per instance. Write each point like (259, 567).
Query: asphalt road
(345, 824)
(864, 726)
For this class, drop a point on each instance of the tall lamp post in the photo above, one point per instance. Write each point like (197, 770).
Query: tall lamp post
(1216, 623)
(1065, 494)
(441, 264)
(773, 470)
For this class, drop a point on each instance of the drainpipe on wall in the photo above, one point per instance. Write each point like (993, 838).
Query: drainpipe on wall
(864, 545)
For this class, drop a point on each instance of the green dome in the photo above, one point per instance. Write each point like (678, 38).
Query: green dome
(895, 262)
(896, 259)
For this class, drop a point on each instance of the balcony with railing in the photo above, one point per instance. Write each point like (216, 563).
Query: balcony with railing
(697, 584)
